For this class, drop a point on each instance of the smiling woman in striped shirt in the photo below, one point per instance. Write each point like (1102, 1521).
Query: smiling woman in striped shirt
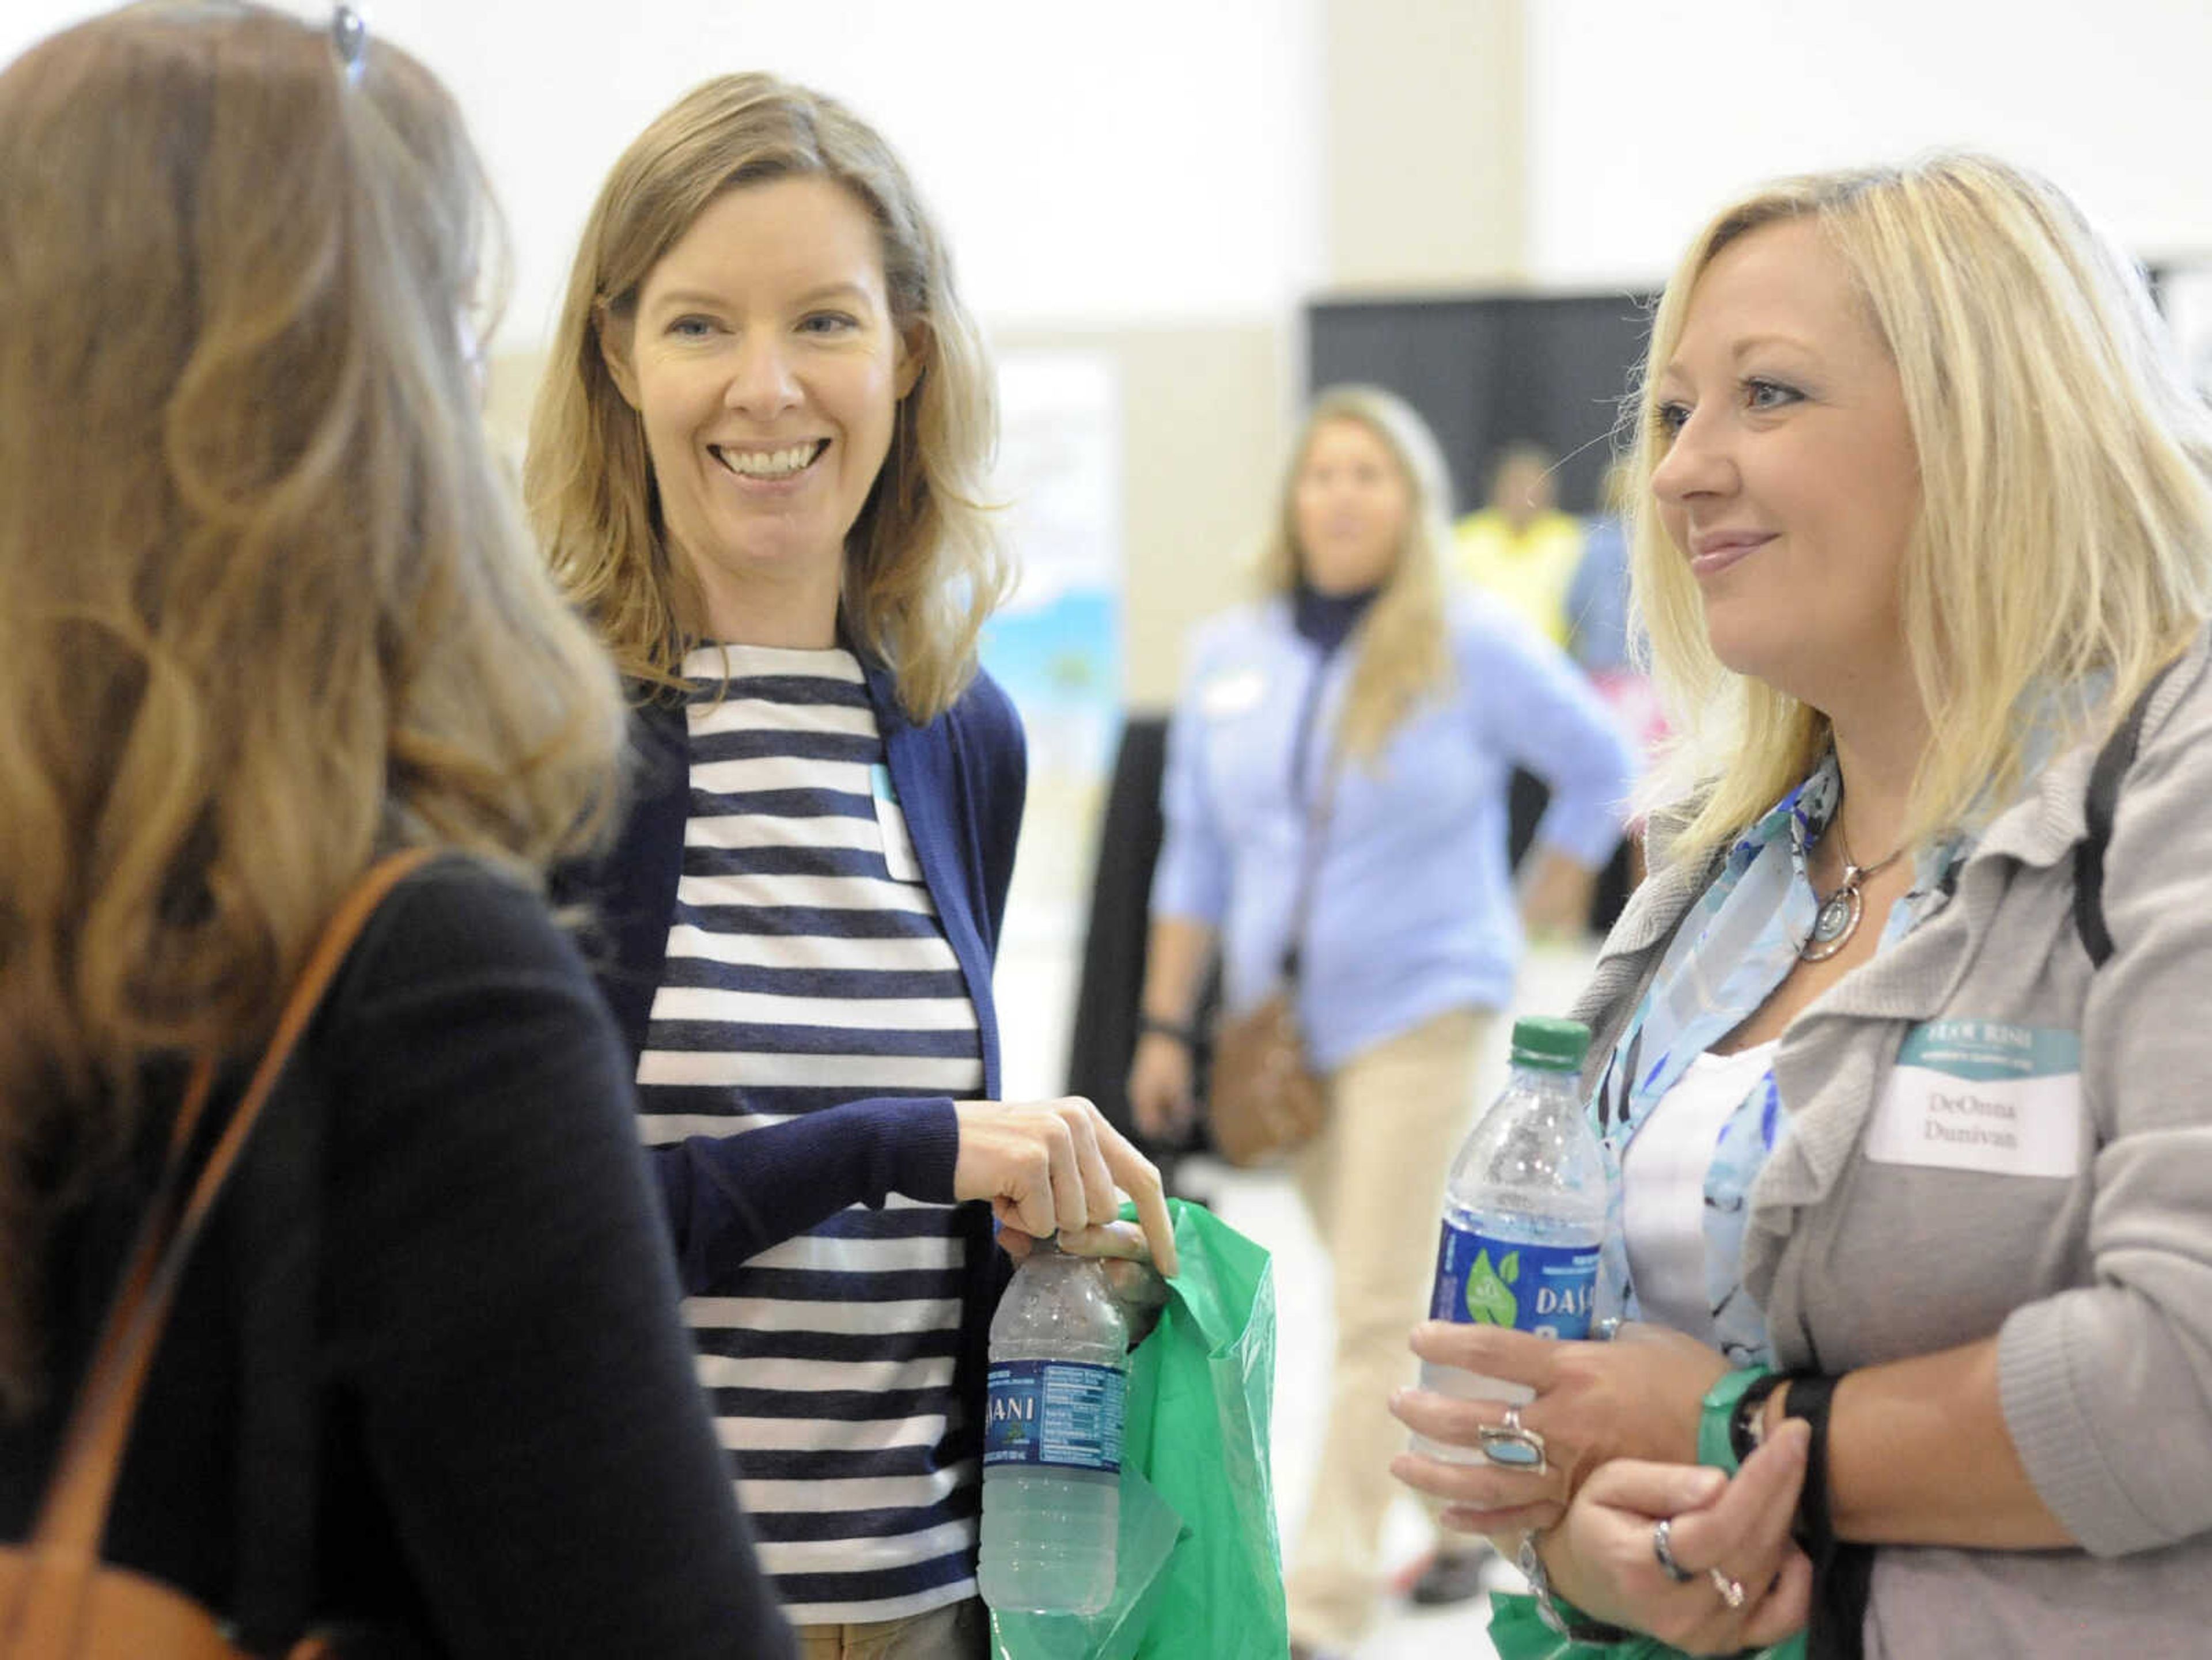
(756, 463)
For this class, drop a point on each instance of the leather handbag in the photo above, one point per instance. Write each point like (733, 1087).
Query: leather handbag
(58, 1600)
(1265, 1101)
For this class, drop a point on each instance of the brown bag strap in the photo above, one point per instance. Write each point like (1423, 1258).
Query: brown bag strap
(74, 1517)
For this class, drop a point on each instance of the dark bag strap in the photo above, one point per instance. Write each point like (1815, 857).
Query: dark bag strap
(73, 1518)
(1317, 818)
(2112, 762)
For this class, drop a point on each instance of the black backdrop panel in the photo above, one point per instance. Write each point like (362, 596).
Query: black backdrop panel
(1486, 371)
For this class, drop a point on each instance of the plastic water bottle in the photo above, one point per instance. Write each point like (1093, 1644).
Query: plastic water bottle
(1524, 1213)
(1051, 1437)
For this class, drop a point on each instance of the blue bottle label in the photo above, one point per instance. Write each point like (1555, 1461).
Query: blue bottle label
(1063, 1414)
(1543, 1289)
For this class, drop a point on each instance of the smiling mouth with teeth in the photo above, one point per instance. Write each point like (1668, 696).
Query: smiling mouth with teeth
(785, 463)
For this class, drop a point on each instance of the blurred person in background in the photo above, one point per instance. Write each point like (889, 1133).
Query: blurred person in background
(1364, 714)
(266, 615)
(1599, 632)
(1536, 560)
(1900, 1062)
(757, 464)
(1520, 546)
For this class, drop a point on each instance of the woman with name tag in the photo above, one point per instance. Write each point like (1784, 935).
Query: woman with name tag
(1360, 724)
(757, 464)
(1908, 1105)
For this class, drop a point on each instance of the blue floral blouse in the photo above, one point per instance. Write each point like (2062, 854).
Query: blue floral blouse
(1738, 942)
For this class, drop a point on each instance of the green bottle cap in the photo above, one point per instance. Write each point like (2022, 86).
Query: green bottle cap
(1550, 1044)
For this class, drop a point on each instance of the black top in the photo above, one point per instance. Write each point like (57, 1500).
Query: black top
(1324, 621)
(438, 1297)
(1327, 619)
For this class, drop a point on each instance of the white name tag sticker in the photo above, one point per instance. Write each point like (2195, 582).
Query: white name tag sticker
(1238, 691)
(898, 846)
(1983, 1095)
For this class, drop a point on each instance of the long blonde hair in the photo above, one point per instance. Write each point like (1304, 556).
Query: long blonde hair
(2065, 522)
(923, 571)
(265, 608)
(1401, 656)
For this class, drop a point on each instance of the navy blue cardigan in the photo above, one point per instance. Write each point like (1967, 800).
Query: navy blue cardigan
(960, 782)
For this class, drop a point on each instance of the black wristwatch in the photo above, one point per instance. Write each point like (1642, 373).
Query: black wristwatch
(1184, 1034)
(1746, 1420)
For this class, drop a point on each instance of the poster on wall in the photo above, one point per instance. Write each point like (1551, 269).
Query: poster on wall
(1056, 645)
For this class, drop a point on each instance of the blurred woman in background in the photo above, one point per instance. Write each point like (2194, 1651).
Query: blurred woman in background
(1360, 723)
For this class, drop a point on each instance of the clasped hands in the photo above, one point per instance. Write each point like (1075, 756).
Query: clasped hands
(1618, 1422)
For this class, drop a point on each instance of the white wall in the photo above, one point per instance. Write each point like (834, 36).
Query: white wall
(1154, 160)
(1643, 118)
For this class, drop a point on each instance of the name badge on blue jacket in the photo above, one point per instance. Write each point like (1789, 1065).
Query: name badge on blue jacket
(1232, 693)
(1983, 1095)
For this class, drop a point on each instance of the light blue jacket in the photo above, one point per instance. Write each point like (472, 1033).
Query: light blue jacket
(1412, 912)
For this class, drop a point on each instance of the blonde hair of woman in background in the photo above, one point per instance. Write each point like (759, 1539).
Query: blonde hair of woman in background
(265, 608)
(1946, 403)
(1402, 656)
(2047, 551)
(923, 572)
(266, 615)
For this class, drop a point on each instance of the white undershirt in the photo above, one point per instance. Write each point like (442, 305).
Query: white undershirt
(1662, 1208)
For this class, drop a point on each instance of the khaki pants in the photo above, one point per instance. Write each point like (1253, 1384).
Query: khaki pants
(959, 1631)
(1374, 1180)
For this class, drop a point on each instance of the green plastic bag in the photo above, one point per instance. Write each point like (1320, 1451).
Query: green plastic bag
(1199, 1574)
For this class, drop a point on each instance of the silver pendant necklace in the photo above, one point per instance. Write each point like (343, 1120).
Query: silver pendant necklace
(1837, 918)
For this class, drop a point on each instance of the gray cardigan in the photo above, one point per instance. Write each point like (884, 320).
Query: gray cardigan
(2073, 1219)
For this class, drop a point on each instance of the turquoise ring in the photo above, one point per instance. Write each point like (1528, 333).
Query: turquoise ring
(1508, 1443)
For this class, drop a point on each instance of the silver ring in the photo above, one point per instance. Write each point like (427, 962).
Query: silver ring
(1607, 1328)
(1662, 1546)
(1731, 1591)
(1508, 1444)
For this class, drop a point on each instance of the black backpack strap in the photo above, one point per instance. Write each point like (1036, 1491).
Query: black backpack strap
(2104, 799)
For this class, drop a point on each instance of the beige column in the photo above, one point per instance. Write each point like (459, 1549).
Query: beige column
(1423, 162)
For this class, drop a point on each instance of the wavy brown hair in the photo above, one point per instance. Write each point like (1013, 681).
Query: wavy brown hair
(265, 609)
(922, 569)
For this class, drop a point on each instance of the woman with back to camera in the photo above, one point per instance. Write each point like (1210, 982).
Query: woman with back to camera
(265, 614)
(1893, 1115)
(1365, 717)
(756, 463)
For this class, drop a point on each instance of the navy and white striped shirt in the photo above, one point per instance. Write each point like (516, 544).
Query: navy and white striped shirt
(806, 966)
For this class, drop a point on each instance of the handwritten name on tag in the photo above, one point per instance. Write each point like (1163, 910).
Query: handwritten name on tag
(1983, 1095)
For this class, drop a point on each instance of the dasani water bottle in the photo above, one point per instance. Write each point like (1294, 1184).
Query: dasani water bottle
(1051, 1437)
(1524, 1213)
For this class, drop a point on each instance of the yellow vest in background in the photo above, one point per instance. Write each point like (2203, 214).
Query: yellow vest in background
(1531, 572)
